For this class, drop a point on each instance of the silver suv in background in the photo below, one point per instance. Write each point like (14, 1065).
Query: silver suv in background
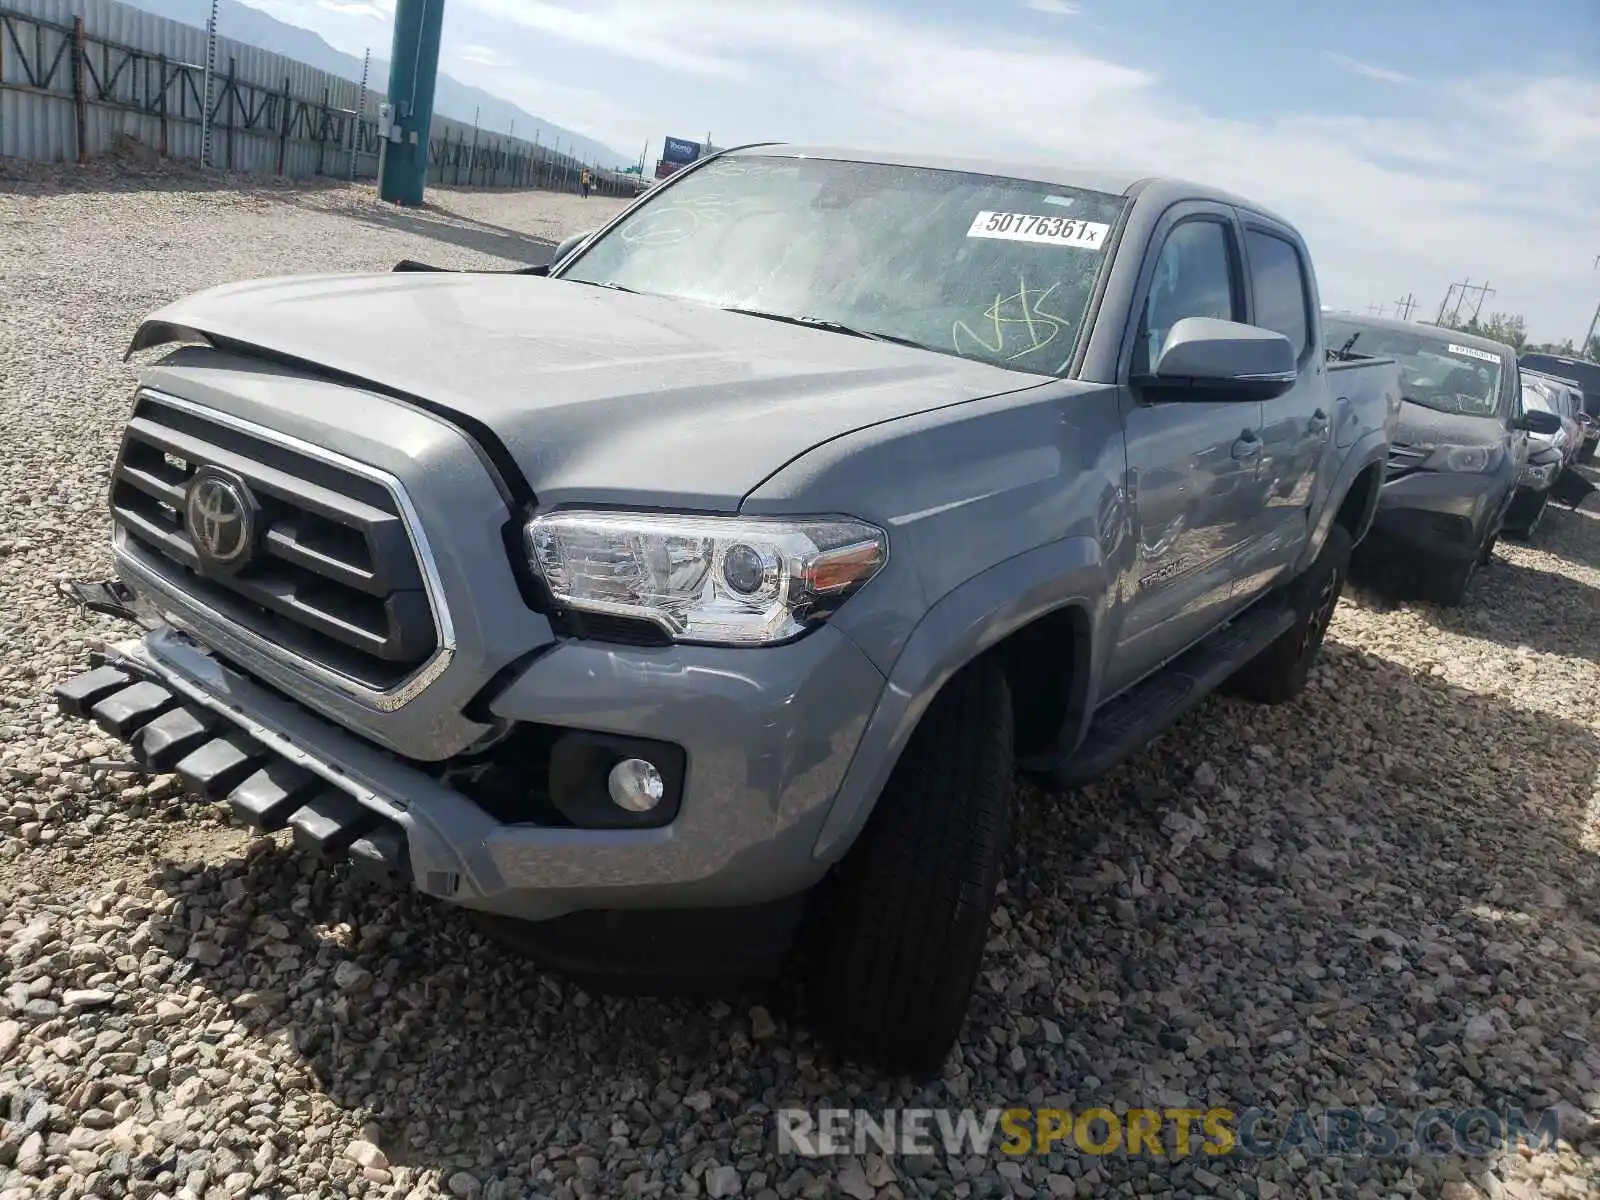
(1583, 375)
(1563, 398)
(1549, 454)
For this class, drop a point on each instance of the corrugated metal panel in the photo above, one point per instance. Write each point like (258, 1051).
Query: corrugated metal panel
(249, 85)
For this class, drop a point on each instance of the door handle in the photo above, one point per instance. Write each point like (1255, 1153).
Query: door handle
(1248, 445)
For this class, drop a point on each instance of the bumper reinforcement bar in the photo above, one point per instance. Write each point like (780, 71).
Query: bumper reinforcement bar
(264, 791)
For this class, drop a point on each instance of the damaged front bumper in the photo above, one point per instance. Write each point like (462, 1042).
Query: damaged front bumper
(264, 770)
(767, 748)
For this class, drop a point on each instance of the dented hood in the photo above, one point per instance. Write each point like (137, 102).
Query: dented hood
(594, 395)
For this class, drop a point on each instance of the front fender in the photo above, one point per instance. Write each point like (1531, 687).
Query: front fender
(966, 622)
(1373, 449)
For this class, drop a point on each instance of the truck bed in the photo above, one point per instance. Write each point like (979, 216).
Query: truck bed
(1368, 391)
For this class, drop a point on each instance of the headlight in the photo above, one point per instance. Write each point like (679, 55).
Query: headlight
(1538, 476)
(744, 581)
(1464, 460)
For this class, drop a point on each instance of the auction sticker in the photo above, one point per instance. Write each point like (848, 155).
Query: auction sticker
(1473, 352)
(1032, 227)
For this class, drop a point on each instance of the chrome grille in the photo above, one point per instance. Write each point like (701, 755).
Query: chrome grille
(334, 578)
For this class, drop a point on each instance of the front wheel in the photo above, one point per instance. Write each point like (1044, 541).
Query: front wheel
(1453, 580)
(900, 925)
(1279, 673)
(1536, 519)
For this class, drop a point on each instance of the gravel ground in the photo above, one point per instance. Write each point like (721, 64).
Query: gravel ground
(1384, 893)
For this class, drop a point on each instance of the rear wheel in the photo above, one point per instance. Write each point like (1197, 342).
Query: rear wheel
(1278, 674)
(900, 926)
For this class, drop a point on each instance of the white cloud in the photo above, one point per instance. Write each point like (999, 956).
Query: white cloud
(648, 33)
(1056, 8)
(377, 10)
(1356, 67)
(1492, 177)
(592, 113)
(482, 56)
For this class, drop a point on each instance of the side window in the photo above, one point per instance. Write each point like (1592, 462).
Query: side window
(1278, 283)
(1194, 277)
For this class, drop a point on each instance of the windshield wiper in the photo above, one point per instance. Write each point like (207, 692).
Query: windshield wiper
(872, 335)
(1343, 352)
(615, 287)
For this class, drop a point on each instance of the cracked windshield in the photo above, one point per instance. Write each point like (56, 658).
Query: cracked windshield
(1435, 371)
(987, 268)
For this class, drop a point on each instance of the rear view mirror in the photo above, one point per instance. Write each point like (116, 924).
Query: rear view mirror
(568, 244)
(1538, 421)
(1207, 359)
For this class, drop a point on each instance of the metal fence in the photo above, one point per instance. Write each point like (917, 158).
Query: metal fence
(78, 76)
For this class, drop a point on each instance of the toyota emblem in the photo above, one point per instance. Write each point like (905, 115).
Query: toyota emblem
(221, 519)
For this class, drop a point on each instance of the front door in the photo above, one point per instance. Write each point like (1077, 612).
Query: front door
(1192, 478)
(1297, 427)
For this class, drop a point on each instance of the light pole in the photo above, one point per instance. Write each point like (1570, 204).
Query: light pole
(413, 72)
(1583, 350)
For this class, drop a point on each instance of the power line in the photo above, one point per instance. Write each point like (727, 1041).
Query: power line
(1458, 292)
(1484, 292)
(1594, 322)
(1403, 308)
(1445, 303)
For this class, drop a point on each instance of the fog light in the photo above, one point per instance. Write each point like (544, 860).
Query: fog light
(635, 785)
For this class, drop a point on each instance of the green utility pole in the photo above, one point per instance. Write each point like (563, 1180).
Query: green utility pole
(413, 71)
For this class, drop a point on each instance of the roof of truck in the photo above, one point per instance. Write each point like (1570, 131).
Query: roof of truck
(1116, 183)
(1423, 329)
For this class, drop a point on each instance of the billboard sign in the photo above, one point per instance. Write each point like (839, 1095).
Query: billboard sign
(680, 151)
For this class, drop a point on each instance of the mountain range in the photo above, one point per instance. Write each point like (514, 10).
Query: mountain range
(452, 98)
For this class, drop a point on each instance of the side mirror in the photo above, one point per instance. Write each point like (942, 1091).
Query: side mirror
(1207, 359)
(567, 245)
(1538, 421)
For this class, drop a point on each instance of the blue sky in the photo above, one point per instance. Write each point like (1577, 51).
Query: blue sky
(1415, 143)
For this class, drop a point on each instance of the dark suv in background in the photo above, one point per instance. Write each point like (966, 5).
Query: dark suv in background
(1456, 457)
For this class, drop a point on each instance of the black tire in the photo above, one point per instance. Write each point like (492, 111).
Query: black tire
(1528, 529)
(1452, 580)
(1538, 517)
(901, 923)
(1486, 555)
(1278, 674)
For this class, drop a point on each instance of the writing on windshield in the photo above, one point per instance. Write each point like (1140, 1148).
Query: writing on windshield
(979, 266)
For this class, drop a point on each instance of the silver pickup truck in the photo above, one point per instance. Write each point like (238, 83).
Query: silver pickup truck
(703, 597)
